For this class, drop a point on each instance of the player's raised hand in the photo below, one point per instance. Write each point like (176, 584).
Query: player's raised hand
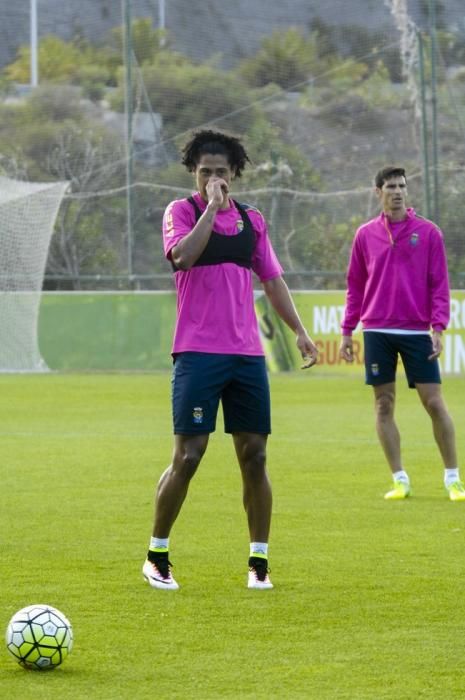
(217, 191)
(346, 349)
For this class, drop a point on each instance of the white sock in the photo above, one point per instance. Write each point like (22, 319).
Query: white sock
(159, 544)
(451, 476)
(259, 549)
(401, 475)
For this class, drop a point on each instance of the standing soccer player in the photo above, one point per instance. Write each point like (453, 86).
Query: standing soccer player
(214, 243)
(397, 285)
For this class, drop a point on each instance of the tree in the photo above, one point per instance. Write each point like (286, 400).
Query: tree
(53, 138)
(146, 42)
(63, 62)
(90, 230)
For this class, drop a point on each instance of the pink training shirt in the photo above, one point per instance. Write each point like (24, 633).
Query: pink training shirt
(215, 303)
(401, 284)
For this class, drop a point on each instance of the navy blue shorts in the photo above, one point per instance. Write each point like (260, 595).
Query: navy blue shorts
(200, 380)
(381, 355)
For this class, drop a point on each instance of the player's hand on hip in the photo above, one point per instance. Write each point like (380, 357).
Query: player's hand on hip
(346, 348)
(308, 350)
(436, 338)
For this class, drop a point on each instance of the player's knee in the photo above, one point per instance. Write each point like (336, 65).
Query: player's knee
(385, 405)
(255, 463)
(435, 406)
(186, 463)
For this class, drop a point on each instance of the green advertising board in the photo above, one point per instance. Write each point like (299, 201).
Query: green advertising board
(107, 331)
(134, 330)
(322, 313)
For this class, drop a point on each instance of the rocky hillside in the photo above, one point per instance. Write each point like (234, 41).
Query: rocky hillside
(211, 27)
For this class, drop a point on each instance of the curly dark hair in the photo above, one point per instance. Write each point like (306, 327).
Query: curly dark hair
(214, 143)
(386, 174)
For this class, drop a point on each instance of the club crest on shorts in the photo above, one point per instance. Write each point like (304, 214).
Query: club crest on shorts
(197, 415)
(414, 239)
(375, 369)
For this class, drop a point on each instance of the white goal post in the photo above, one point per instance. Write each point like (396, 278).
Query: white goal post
(27, 217)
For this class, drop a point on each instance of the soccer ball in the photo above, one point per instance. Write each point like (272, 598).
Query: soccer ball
(39, 637)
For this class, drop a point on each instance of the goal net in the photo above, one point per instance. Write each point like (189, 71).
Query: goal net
(27, 216)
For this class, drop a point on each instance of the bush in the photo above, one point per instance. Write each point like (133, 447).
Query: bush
(189, 96)
(55, 103)
(352, 111)
(287, 59)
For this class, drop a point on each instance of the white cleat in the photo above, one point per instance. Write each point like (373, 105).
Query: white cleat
(258, 574)
(159, 575)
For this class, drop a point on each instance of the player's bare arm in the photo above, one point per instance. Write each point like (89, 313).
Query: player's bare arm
(281, 300)
(191, 247)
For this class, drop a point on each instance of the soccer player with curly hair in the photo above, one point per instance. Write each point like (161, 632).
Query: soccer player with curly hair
(214, 245)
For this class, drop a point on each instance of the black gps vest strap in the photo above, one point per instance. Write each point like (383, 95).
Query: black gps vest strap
(237, 249)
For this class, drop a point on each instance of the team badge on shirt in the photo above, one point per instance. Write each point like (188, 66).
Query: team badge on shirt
(197, 415)
(239, 225)
(375, 369)
(414, 239)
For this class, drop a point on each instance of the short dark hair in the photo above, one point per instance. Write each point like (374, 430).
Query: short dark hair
(214, 143)
(386, 174)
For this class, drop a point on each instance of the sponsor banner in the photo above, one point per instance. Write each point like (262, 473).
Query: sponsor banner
(322, 313)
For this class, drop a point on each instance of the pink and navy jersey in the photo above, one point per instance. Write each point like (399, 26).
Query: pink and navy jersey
(215, 299)
(397, 276)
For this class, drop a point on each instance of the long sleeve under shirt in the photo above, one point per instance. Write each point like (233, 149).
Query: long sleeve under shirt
(400, 283)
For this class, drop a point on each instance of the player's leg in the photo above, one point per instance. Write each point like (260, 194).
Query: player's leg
(443, 427)
(196, 389)
(380, 370)
(174, 482)
(386, 428)
(444, 434)
(389, 438)
(424, 376)
(171, 493)
(246, 407)
(257, 500)
(256, 492)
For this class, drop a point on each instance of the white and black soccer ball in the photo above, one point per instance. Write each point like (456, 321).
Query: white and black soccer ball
(39, 637)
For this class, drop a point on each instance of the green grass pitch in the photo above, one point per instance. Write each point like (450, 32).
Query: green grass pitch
(369, 595)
